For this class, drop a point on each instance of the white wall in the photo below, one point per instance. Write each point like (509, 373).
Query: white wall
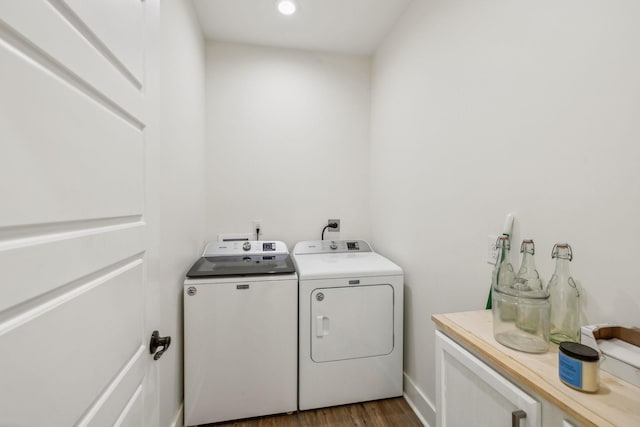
(179, 182)
(287, 142)
(482, 108)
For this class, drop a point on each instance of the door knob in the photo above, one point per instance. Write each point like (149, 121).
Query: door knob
(156, 342)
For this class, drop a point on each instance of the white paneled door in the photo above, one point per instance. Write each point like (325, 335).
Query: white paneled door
(75, 320)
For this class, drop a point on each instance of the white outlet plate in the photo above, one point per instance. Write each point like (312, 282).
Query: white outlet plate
(492, 251)
(334, 229)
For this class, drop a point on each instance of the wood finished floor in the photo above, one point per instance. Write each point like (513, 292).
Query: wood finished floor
(379, 413)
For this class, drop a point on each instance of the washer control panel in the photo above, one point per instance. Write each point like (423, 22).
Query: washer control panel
(268, 246)
(353, 246)
(331, 246)
(252, 247)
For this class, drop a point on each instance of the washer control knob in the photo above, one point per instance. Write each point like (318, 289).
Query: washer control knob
(320, 296)
(333, 245)
(246, 246)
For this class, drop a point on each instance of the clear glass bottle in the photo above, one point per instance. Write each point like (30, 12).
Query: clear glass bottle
(528, 273)
(503, 274)
(527, 281)
(565, 298)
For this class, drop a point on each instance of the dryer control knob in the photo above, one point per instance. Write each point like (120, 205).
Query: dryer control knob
(333, 245)
(246, 246)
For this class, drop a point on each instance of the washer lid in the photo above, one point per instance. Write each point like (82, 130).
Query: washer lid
(341, 265)
(239, 265)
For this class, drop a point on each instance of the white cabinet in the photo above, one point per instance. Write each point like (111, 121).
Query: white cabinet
(470, 393)
(481, 383)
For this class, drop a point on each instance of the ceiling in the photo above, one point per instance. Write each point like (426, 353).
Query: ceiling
(342, 26)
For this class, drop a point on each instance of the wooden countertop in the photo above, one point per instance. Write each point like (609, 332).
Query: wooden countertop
(617, 403)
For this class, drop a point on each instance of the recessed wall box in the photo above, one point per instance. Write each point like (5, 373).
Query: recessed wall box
(235, 237)
(620, 346)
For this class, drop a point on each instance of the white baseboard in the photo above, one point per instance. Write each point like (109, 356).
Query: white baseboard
(178, 420)
(417, 400)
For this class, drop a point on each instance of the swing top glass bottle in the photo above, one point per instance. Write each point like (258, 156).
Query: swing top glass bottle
(528, 273)
(565, 298)
(503, 274)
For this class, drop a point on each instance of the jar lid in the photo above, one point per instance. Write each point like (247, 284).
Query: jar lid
(522, 292)
(579, 351)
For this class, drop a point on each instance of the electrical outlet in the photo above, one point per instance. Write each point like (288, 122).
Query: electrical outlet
(337, 221)
(492, 251)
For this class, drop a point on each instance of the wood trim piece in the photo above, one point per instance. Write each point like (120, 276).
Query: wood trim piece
(630, 335)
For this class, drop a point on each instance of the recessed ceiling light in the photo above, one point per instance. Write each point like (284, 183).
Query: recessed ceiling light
(287, 7)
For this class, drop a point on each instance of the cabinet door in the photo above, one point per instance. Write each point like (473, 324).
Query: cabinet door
(470, 393)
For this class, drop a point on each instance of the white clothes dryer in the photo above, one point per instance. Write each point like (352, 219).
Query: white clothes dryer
(350, 324)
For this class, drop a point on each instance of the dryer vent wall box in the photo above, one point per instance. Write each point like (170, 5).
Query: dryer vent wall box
(350, 324)
(235, 237)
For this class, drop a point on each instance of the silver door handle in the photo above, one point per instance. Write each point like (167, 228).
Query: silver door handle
(322, 326)
(158, 341)
(516, 416)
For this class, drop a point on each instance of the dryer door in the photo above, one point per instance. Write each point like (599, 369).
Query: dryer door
(351, 322)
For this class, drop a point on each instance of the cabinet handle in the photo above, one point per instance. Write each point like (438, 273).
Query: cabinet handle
(516, 416)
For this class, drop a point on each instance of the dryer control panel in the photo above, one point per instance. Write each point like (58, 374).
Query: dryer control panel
(332, 246)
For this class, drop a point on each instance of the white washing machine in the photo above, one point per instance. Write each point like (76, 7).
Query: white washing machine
(240, 333)
(350, 324)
